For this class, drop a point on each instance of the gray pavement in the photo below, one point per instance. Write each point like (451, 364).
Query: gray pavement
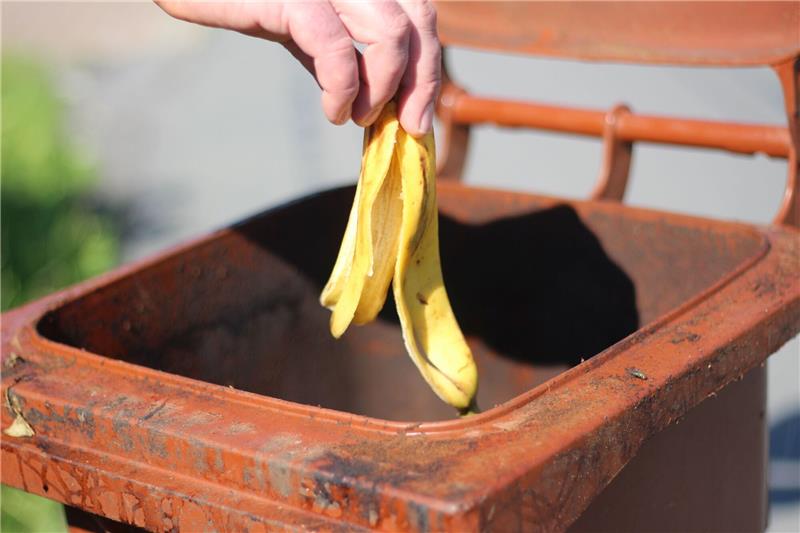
(198, 128)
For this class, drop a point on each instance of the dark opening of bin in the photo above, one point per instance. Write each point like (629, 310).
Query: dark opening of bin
(536, 286)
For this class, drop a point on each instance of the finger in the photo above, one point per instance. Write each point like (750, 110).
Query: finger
(258, 19)
(318, 33)
(420, 84)
(384, 27)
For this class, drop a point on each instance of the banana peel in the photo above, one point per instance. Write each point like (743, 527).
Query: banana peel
(392, 238)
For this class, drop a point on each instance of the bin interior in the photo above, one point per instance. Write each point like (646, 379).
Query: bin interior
(537, 286)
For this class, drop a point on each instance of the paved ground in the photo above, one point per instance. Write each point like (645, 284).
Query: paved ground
(197, 128)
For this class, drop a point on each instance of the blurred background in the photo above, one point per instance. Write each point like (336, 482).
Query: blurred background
(125, 132)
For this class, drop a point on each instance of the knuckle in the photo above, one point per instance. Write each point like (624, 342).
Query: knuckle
(346, 87)
(422, 12)
(398, 27)
(427, 15)
(349, 87)
(339, 69)
(340, 46)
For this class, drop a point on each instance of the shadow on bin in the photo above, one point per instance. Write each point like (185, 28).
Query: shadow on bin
(537, 288)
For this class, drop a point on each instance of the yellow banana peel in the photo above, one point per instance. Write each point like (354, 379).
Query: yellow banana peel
(392, 237)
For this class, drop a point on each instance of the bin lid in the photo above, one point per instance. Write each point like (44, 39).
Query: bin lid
(688, 33)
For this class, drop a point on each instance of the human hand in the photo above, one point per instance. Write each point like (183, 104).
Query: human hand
(402, 55)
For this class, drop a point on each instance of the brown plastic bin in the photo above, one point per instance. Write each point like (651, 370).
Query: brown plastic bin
(202, 389)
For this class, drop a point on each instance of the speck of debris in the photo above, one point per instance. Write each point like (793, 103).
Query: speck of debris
(12, 360)
(635, 372)
(19, 428)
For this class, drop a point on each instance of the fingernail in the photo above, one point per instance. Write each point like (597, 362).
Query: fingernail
(372, 116)
(426, 119)
(344, 116)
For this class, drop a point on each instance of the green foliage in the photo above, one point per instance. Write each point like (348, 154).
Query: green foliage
(26, 513)
(51, 237)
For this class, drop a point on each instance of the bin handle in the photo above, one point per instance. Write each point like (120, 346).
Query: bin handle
(789, 76)
(617, 154)
(619, 128)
